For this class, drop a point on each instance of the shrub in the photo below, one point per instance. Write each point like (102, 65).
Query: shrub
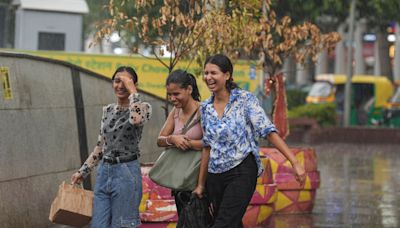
(324, 113)
(295, 97)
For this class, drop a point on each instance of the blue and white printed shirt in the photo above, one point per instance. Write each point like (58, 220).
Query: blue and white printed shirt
(235, 135)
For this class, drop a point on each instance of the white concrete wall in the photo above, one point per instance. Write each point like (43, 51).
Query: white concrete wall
(39, 143)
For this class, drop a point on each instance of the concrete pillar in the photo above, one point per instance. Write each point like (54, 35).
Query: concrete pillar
(322, 63)
(303, 74)
(359, 67)
(377, 60)
(340, 60)
(289, 70)
(396, 65)
(381, 53)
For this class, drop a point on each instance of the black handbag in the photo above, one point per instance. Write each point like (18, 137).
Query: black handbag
(195, 212)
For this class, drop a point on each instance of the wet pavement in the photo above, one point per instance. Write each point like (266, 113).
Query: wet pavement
(360, 187)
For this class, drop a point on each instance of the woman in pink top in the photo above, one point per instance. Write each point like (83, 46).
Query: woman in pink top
(183, 93)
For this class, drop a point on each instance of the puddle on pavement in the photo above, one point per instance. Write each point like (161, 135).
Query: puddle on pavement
(359, 188)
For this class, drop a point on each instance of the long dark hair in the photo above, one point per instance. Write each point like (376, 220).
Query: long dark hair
(225, 65)
(184, 79)
(128, 69)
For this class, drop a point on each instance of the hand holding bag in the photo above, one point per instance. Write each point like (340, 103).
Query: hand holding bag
(178, 169)
(195, 213)
(72, 206)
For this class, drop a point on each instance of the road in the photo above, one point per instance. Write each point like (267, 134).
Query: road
(359, 188)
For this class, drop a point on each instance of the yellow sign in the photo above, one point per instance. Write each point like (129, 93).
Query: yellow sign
(4, 74)
(152, 74)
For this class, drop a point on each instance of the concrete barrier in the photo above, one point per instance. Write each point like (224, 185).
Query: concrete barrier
(48, 128)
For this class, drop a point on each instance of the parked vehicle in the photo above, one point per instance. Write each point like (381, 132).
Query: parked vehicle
(369, 96)
(392, 109)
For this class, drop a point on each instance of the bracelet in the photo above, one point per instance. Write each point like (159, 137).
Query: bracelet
(166, 141)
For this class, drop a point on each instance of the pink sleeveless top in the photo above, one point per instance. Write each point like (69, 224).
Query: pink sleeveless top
(194, 132)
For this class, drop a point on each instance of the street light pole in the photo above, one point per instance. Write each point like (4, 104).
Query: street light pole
(347, 89)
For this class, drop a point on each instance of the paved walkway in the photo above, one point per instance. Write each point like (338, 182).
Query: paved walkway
(360, 187)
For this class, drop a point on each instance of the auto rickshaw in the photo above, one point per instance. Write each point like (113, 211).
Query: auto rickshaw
(369, 96)
(392, 109)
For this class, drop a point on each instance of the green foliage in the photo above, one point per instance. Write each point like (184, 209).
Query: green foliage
(327, 14)
(324, 113)
(99, 12)
(295, 98)
(96, 14)
(379, 13)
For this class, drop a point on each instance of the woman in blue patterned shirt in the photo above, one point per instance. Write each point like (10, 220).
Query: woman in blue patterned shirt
(232, 121)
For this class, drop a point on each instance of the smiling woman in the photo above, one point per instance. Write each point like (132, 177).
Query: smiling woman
(117, 153)
(183, 93)
(232, 121)
(124, 84)
(218, 76)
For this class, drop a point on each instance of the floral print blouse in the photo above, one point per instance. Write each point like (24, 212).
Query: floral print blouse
(235, 135)
(120, 131)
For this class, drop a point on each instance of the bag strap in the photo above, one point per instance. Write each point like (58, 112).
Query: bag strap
(189, 123)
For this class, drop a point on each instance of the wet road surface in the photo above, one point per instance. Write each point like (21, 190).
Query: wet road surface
(360, 187)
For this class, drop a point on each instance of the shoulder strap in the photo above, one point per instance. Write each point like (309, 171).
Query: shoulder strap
(189, 124)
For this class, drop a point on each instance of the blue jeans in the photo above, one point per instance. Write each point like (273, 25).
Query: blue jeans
(117, 195)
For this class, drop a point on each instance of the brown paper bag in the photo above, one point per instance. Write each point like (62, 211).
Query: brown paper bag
(72, 206)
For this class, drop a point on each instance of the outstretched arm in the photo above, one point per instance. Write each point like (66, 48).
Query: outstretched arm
(263, 127)
(275, 139)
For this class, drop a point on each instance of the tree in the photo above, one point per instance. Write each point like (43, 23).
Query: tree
(100, 14)
(95, 15)
(379, 16)
(226, 30)
(271, 37)
(244, 25)
(7, 14)
(200, 28)
(173, 27)
(327, 14)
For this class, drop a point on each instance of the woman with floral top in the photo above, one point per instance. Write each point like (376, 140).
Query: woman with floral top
(118, 188)
(232, 121)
